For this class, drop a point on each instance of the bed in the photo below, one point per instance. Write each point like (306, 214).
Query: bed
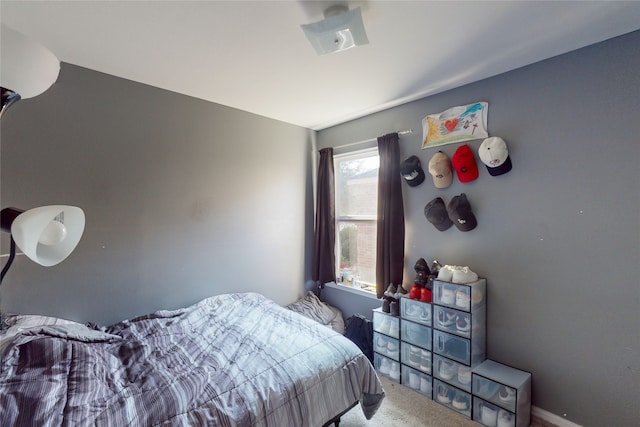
(228, 360)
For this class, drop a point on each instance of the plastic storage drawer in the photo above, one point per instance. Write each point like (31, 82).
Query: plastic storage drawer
(387, 367)
(416, 334)
(506, 387)
(452, 372)
(452, 397)
(491, 415)
(471, 352)
(386, 346)
(463, 297)
(416, 311)
(453, 321)
(417, 380)
(453, 347)
(415, 357)
(386, 323)
(494, 392)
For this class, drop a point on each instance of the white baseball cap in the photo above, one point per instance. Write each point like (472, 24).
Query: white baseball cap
(494, 154)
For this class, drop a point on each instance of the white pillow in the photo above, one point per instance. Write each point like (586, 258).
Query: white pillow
(337, 324)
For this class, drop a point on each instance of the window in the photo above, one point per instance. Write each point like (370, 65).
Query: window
(356, 217)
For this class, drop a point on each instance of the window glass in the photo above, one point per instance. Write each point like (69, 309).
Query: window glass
(356, 215)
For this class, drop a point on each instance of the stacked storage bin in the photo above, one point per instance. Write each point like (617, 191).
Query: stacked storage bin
(442, 354)
(415, 345)
(501, 395)
(386, 344)
(459, 341)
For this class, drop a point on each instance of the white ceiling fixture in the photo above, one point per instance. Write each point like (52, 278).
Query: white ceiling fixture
(341, 29)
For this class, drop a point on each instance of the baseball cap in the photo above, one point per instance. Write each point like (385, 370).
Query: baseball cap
(460, 213)
(465, 164)
(412, 171)
(436, 213)
(440, 169)
(494, 154)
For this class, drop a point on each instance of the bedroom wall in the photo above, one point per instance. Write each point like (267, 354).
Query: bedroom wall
(558, 237)
(183, 198)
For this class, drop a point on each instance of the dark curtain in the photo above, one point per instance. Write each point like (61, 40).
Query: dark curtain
(324, 266)
(390, 244)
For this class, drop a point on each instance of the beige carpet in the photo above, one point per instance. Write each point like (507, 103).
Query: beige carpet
(404, 407)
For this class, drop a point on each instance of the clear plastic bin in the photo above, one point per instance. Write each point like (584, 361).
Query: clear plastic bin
(506, 387)
(416, 334)
(416, 311)
(417, 380)
(386, 346)
(387, 367)
(463, 297)
(453, 347)
(452, 372)
(452, 397)
(491, 415)
(386, 323)
(416, 357)
(451, 320)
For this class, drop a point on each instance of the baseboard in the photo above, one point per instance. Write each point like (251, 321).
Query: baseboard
(550, 418)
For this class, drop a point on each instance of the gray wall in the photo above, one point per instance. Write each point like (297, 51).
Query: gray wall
(179, 196)
(559, 236)
(183, 198)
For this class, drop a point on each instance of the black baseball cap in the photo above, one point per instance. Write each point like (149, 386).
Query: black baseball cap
(436, 213)
(460, 213)
(412, 171)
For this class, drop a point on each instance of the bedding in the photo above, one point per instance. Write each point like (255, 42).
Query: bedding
(310, 306)
(229, 360)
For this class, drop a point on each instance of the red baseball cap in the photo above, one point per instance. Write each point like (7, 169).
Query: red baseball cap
(465, 164)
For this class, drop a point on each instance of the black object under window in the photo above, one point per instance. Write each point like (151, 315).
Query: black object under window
(360, 330)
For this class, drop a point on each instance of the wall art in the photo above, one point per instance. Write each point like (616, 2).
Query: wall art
(457, 124)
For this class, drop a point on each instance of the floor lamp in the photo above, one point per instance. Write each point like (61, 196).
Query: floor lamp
(48, 234)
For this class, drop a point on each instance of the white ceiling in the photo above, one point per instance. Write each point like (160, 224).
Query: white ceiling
(252, 55)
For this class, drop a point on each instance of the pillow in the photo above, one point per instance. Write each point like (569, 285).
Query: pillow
(337, 324)
(310, 306)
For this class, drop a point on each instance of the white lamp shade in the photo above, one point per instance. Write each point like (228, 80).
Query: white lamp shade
(337, 33)
(26, 67)
(42, 240)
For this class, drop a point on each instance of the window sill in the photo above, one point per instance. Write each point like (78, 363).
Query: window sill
(352, 290)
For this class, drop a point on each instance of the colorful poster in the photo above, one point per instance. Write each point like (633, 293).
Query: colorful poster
(456, 124)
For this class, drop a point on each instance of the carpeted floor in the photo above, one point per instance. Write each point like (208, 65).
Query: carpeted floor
(407, 408)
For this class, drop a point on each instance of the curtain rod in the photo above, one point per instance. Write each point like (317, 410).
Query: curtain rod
(402, 132)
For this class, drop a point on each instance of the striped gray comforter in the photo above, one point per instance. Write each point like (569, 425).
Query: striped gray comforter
(229, 360)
